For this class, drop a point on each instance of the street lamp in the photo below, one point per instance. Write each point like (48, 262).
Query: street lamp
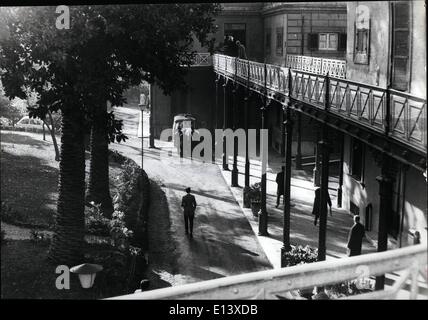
(87, 273)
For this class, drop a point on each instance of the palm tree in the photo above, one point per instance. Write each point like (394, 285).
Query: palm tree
(98, 187)
(68, 239)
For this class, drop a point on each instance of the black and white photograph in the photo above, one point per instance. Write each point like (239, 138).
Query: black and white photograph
(214, 152)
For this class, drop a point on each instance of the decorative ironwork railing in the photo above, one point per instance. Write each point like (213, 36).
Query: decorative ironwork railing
(277, 283)
(202, 59)
(397, 114)
(333, 67)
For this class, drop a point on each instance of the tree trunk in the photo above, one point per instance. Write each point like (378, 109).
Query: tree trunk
(98, 186)
(68, 239)
(52, 132)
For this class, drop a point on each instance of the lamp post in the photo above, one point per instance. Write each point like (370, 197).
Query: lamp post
(87, 273)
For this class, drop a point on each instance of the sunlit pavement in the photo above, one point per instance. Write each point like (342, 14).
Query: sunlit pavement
(223, 243)
(226, 240)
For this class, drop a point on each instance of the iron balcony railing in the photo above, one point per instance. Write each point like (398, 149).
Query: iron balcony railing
(202, 59)
(333, 67)
(397, 114)
(410, 262)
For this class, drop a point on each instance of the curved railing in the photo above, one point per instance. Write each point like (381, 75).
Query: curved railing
(397, 114)
(409, 262)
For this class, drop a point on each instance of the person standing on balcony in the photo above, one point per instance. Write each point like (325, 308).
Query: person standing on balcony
(189, 205)
(316, 208)
(280, 185)
(355, 238)
(241, 50)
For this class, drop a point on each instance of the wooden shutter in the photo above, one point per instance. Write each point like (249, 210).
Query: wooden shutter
(342, 42)
(401, 45)
(313, 41)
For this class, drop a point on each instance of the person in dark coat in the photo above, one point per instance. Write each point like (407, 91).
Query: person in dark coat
(317, 200)
(280, 185)
(355, 238)
(189, 205)
(241, 50)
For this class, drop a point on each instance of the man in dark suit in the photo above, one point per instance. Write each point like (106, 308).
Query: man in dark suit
(189, 205)
(355, 238)
(317, 200)
(241, 50)
(280, 185)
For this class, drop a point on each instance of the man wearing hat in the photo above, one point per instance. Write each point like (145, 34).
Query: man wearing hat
(189, 205)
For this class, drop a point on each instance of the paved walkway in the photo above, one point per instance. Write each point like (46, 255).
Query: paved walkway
(223, 244)
(303, 231)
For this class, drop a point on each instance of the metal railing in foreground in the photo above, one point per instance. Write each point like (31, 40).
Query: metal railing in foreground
(270, 284)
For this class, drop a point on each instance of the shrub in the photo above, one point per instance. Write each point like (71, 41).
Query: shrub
(3, 237)
(119, 232)
(255, 192)
(95, 223)
(128, 196)
(299, 255)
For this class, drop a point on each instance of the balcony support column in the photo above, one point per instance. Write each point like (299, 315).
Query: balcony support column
(263, 218)
(324, 147)
(225, 160)
(247, 157)
(288, 123)
(299, 142)
(339, 189)
(316, 173)
(234, 172)
(385, 206)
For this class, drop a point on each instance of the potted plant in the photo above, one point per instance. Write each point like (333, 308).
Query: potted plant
(255, 196)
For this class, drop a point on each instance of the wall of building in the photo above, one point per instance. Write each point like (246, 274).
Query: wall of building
(199, 100)
(272, 24)
(376, 72)
(413, 210)
(298, 21)
(248, 13)
(418, 85)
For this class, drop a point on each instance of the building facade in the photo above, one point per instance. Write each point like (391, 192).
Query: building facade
(372, 57)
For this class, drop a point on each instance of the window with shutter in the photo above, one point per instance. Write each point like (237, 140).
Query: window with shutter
(279, 41)
(400, 45)
(342, 42)
(313, 41)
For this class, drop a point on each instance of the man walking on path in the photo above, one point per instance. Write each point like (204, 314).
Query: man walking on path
(316, 208)
(189, 205)
(280, 185)
(355, 238)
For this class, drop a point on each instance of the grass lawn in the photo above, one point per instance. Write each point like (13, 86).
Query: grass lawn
(29, 180)
(29, 176)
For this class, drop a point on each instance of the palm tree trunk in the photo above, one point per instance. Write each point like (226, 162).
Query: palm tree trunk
(98, 187)
(68, 240)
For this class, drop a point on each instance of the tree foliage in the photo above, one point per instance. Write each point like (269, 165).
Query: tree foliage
(106, 50)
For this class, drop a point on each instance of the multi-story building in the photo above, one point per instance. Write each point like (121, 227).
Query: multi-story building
(372, 58)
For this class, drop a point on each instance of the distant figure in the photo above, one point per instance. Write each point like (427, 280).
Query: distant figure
(417, 238)
(230, 47)
(355, 238)
(189, 205)
(316, 208)
(280, 185)
(241, 50)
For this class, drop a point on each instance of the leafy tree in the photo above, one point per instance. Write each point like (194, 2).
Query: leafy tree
(106, 50)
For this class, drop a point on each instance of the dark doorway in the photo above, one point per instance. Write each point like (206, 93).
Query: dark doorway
(237, 31)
